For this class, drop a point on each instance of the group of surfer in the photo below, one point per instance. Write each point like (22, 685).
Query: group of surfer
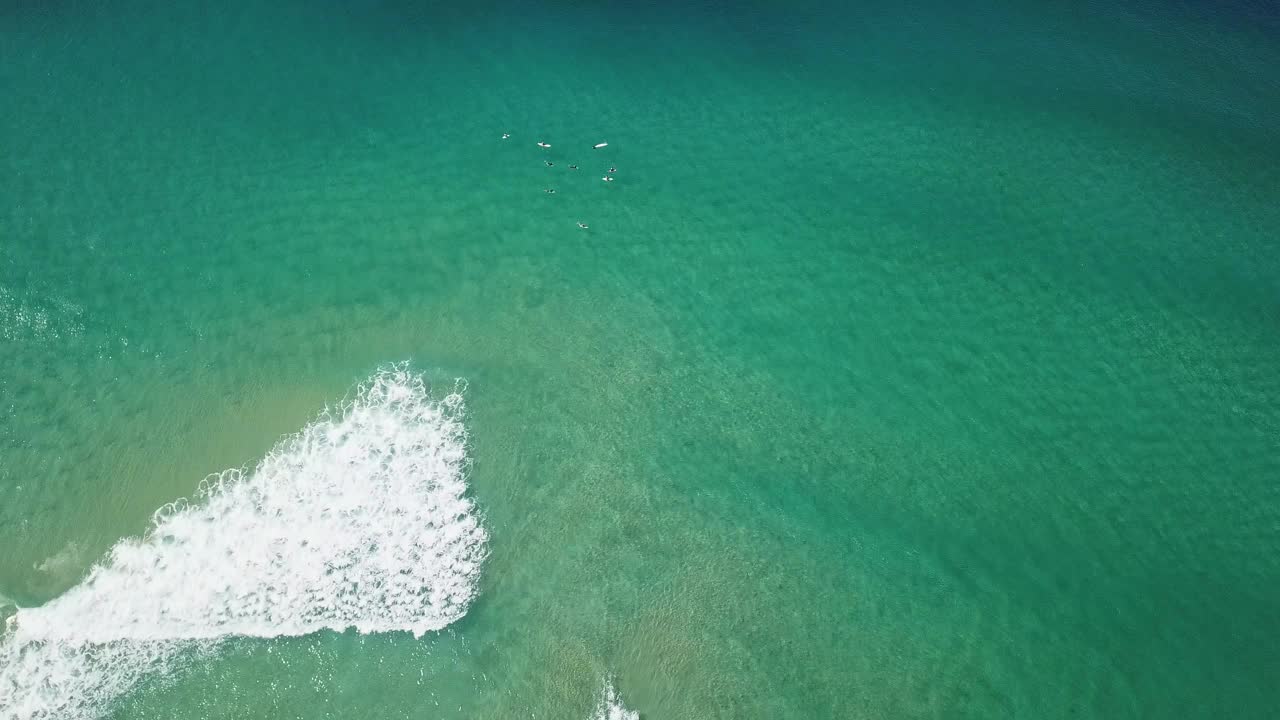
(608, 176)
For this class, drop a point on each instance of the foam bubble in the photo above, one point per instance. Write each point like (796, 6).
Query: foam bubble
(610, 706)
(61, 563)
(27, 319)
(358, 521)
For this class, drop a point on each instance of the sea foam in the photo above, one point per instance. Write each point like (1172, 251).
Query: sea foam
(610, 707)
(358, 521)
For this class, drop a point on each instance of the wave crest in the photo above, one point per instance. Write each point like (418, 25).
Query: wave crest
(610, 707)
(358, 521)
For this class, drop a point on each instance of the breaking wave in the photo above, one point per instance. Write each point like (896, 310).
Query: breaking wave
(358, 521)
(610, 707)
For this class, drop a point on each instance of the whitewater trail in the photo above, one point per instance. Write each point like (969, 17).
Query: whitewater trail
(610, 707)
(360, 521)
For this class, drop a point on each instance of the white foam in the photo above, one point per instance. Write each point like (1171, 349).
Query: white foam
(358, 521)
(610, 706)
(24, 318)
(61, 563)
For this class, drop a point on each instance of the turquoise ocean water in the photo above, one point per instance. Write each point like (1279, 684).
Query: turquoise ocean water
(920, 362)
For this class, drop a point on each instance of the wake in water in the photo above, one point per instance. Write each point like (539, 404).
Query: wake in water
(358, 521)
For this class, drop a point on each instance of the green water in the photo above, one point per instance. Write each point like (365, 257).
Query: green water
(920, 363)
